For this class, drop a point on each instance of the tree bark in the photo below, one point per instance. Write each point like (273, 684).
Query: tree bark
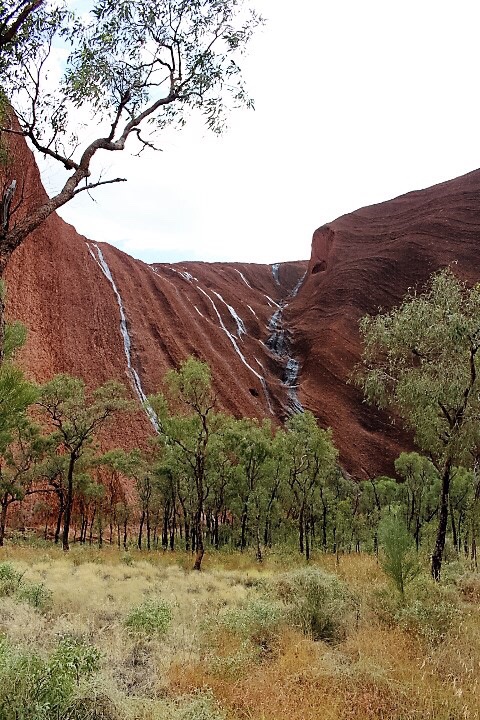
(437, 556)
(3, 519)
(68, 503)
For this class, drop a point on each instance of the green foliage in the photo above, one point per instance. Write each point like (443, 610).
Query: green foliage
(258, 620)
(153, 617)
(431, 612)
(399, 559)
(12, 583)
(17, 393)
(34, 688)
(75, 415)
(418, 360)
(200, 707)
(318, 603)
(35, 594)
(10, 579)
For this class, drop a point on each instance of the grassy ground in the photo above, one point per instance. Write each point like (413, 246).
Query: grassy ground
(242, 641)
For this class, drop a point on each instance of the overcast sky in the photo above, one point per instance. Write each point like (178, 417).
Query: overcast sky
(356, 102)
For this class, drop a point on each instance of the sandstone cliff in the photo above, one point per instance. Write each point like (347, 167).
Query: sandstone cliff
(277, 337)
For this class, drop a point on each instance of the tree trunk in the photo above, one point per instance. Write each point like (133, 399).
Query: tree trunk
(243, 537)
(454, 527)
(215, 532)
(199, 541)
(149, 531)
(68, 503)
(437, 556)
(140, 530)
(90, 536)
(3, 518)
(307, 540)
(301, 543)
(58, 526)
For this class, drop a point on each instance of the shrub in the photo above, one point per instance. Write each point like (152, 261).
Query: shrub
(399, 559)
(431, 612)
(318, 602)
(153, 617)
(10, 579)
(34, 688)
(200, 707)
(257, 620)
(36, 595)
(98, 707)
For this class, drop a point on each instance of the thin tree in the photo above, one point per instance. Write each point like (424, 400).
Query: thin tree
(187, 434)
(421, 361)
(76, 419)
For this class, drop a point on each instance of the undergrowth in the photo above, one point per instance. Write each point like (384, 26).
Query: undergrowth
(91, 637)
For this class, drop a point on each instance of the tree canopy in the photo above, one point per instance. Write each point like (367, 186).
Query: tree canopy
(133, 68)
(421, 360)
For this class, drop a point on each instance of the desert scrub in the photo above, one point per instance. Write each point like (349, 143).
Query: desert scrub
(10, 579)
(35, 594)
(430, 611)
(35, 688)
(242, 636)
(258, 620)
(317, 602)
(153, 617)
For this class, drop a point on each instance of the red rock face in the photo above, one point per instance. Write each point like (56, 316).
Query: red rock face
(95, 312)
(360, 262)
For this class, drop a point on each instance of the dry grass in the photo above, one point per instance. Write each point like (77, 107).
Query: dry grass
(378, 671)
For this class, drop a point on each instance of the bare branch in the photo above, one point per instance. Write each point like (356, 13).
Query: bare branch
(90, 186)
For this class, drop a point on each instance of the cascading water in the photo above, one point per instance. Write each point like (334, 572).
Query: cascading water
(238, 351)
(244, 279)
(275, 271)
(241, 330)
(127, 343)
(278, 343)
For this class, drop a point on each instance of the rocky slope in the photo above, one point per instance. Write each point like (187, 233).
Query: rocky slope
(95, 312)
(360, 262)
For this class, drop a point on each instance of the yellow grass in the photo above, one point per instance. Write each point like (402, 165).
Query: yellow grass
(378, 671)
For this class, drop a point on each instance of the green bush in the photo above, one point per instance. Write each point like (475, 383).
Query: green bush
(10, 579)
(317, 602)
(36, 595)
(257, 620)
(153, 617)
(431, 612)
(399, 559)
(200, 707)
(34, 688)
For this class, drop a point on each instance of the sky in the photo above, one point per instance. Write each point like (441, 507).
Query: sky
(355, 103)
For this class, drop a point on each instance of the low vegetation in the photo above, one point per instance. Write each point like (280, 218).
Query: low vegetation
(152, 640)
(316, 600)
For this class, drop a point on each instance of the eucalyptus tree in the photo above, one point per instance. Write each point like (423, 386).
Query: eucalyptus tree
(187, 425)
(134, 68)
(250, 442)
(76, 417)
(310, 459)
(418, 492)
(421, 361)
(18, 461)
(20, 21)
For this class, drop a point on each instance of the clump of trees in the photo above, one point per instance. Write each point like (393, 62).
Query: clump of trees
(421, 360)
(209, 481)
